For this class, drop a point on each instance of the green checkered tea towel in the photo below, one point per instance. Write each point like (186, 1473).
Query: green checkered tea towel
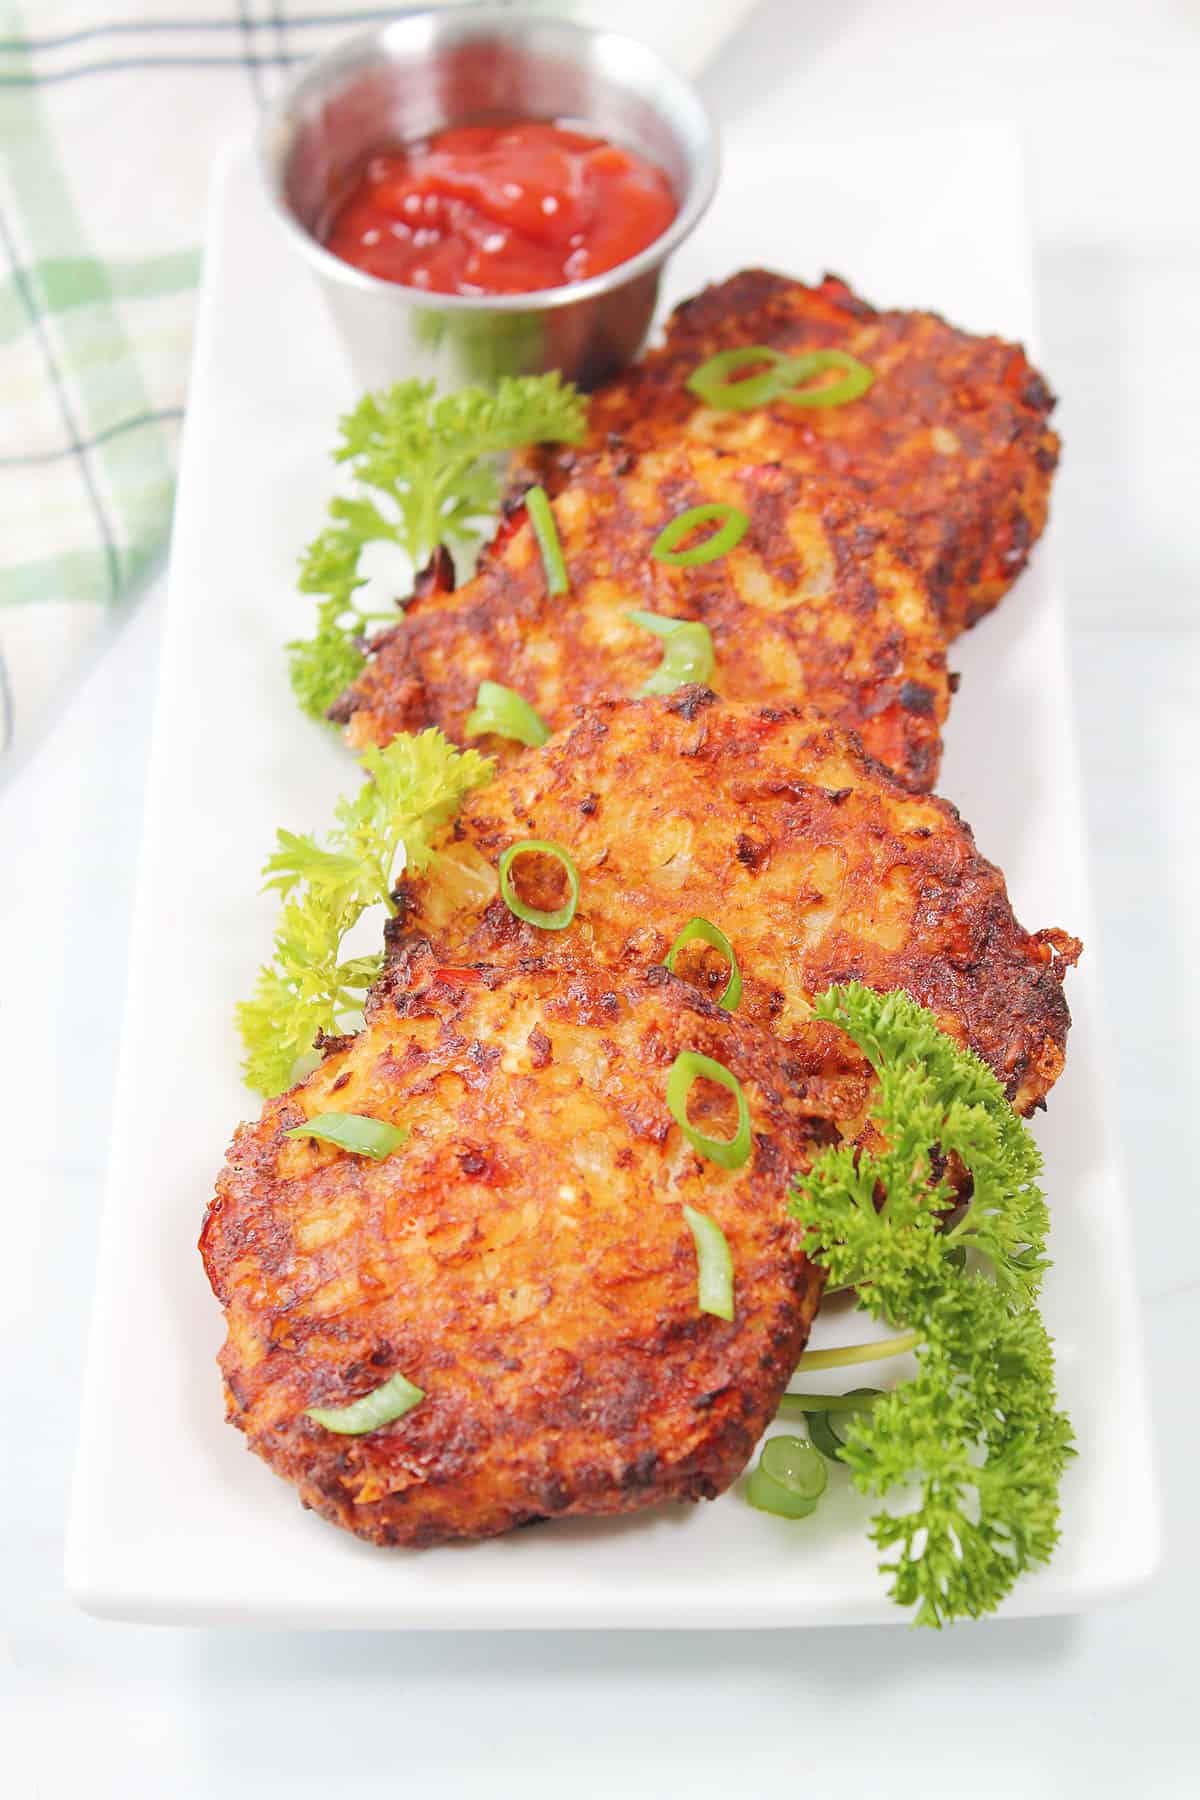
(108, 130)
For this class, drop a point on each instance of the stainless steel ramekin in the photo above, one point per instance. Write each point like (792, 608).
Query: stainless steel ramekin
(425, 70)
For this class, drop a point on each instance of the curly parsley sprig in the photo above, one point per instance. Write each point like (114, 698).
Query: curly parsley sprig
(413, 786)
(976, 1432)
(432, 462)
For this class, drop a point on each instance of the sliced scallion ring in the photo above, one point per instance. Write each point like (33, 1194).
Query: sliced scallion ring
(548, 921)
(689, 1067)
(546, 532)
(795, 1465)
(732, 528)
(383, 1404)
(789, 1479)
(783, 379)
(791, 375)
(771, 1496)
(687, 652)
(503, 713)
(714, 1284)
(711, 383)
(823, 1436)
(820, 1426)
(710, 934)
(354, 1132)
(657, 623)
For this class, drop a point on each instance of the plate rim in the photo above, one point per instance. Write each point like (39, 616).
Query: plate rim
(104, 1594)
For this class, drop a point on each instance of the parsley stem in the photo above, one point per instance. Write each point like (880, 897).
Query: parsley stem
(856, 1353)
(794, 1406)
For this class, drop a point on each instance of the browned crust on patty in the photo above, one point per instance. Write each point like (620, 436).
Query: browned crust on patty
(772, 824)
(524, 1258)
(819, 603)
(953, 436)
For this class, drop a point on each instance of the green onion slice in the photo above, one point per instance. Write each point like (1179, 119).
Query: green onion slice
(783, 379)
(546, 532)
(687, 652)
(772, 1497)
(795, 1465)
(857, 378)
(734, 524)
(714, 1285)
(823, 1436)
(380, 1407)
(689, 1066)
(499, 711)
(820, 1427)
(549, 921)
(789, 1480)
(658, 623)
(352, 1131)
(710, 382)
(702, 928)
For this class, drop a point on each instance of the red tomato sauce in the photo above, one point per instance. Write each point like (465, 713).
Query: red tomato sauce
(501, 209)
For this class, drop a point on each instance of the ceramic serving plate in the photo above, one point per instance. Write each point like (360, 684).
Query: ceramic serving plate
(171, 1518)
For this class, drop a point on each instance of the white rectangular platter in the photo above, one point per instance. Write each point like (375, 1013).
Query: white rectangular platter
(171, 1519)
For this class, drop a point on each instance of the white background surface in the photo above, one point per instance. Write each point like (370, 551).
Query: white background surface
(1107, 96)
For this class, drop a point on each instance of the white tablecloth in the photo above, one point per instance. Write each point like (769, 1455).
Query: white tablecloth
(1101, 1705)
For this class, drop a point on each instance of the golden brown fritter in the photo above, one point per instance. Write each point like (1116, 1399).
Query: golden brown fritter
(769, 823)
(818, 603)
(524, 1258)
(953, 436)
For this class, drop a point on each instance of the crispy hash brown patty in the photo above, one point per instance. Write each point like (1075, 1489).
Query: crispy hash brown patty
(524, 1258)
(953, 435)
(772, 825)
(818, 603)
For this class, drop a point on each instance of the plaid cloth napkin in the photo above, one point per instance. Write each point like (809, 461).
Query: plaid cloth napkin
(108, 130)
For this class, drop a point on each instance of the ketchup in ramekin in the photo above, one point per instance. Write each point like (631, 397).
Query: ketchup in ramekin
(501, 209)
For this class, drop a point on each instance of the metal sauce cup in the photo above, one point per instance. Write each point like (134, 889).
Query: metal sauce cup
(471, 65)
